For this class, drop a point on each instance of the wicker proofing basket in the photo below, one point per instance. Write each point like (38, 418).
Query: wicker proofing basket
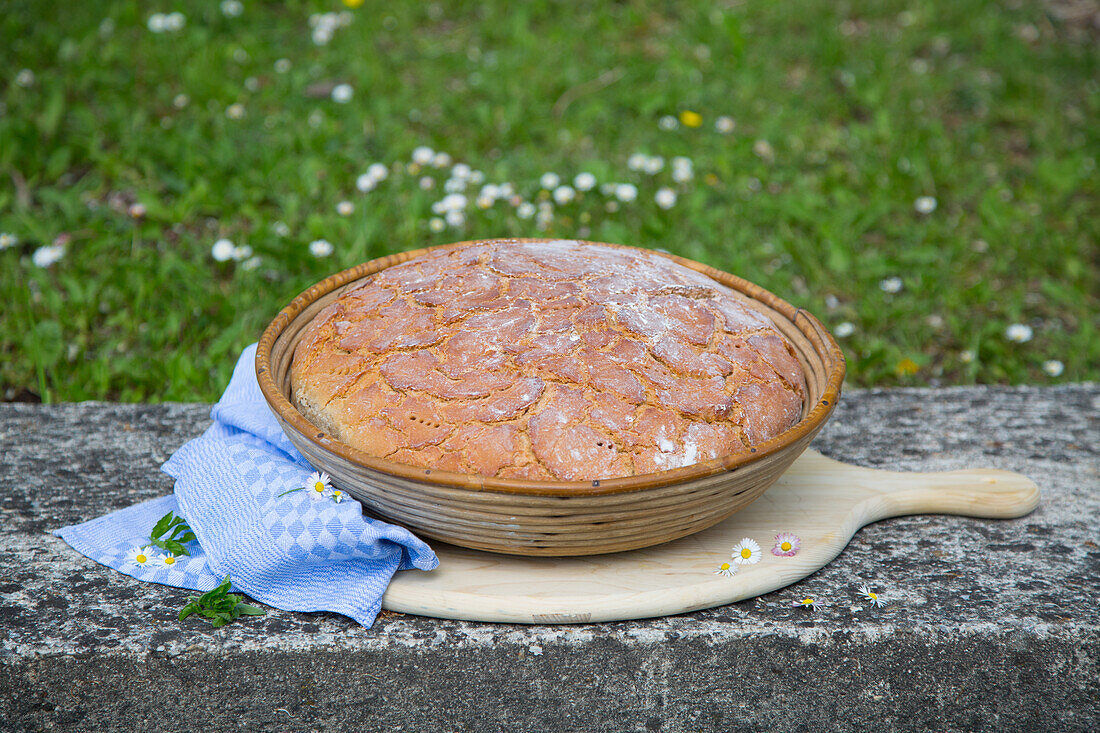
(555, 518)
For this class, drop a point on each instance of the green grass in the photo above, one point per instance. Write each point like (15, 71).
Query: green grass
(866, 107)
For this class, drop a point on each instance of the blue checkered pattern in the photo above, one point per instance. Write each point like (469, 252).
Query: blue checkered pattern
(293, 552)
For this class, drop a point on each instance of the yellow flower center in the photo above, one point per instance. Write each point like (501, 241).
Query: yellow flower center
(807, 601)
(725, 566)
(140, 557)
(785, 546)
(319, 487)
(746, 553)
(690, 119)
(169, 560)
(874, 596)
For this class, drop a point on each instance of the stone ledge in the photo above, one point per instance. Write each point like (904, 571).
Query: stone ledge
(990, 624)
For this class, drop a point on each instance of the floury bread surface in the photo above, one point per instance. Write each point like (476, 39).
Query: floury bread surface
(553, 360)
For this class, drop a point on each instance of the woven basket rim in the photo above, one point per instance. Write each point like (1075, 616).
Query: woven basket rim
(821, 340)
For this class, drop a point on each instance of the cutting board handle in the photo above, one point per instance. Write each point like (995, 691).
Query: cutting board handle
(981, 492)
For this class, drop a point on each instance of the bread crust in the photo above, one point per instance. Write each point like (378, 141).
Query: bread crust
(547, 361)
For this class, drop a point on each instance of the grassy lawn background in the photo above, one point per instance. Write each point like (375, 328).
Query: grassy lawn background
(845, 114)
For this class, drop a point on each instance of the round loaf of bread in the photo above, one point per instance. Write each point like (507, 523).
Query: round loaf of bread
(555, 360)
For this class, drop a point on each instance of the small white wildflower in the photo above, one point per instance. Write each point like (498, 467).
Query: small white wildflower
(222, 251)
(345, 208)
(436, 224)
(423, 155)
(1053, 367)
(872, 597)
(725, 124)
(925, 204)
(48, 255)
(483, 202)
(321, 35)
(235, 111)
(155, 23)
(426, 182)
(454, 218)
(746, 552)
(564, 194)
(454, 185)
(525, 210)
(24, 78)
(844, 329)
(831, 301)
(763, 149)
(490, 191)
(1018, 332)
(681, 161)
(252, 84)
(891, 285)
(665, 198)
(320, 248)
(549, 181)
(654, 164)
(584, 182)
(637, 161)
(341, 93)
(507, 190)
(318, 486)
(477, 177)
(612, 206)
(251, 263)
(282, 66)
(626, 192)
(366, 182)
(174, 21)
(441, 160)
(316, 118)
(137, 211)
(668, 122)
(232, 8)
(682, 175)
(966, 356)
(139, 557)
(378, 170)
(281, 229)
(454, 202)
(608, 189)
(242, 252)
(461, 171)
(8, 240)
(180, 101)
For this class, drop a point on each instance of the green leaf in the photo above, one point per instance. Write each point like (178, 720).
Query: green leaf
(248, 610)
(161, 526)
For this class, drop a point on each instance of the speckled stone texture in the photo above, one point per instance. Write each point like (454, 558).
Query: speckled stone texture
(990, 625)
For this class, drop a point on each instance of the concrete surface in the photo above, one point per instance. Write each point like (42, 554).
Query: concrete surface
(989, 624)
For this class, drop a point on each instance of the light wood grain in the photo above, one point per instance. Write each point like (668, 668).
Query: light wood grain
(821, 500)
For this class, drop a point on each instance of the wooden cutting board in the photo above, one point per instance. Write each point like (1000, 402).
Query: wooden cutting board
(822, 501)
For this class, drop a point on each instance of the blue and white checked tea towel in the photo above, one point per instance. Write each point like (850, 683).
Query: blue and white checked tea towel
(294, 552)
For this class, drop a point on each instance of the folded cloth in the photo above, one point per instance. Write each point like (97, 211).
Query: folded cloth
(298, 551)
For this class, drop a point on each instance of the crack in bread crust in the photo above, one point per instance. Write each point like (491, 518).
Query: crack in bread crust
(546, 360)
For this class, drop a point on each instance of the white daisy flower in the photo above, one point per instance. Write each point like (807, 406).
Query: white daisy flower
(281, 229)
(338, 496)
(966, 356)
(477, 177)
(240, 55)
(891, 285)
(725, 124)
(626, 192)
(426, 182)
(746, 552)
(48, 255)
(24, 78)
(454, 218)
(483, 202)
(637, 161)
(155, 23)
(490, 191)
(180, 101)
(525, 210)
(251, 263)
(608, 189)
(282, 66)
(763, 149)
(871, 596)
(366, 182)
(564, 194)
(549, 181)
(441, 160)
(378, 171)
(925, 205)
(1053, 367)
(167, 560)
(584, 181)
(665, 198)
(341, 93)
(345, 208)
(786, 544)
(725, 569)
(232, 8)
(460, 171)
(682, 175)
(174, 21)
(668, 122)
(235, 111)
(507, 190)
(8, 240)
(222, 251)
(423, 155)
(454, 185)
(436, 224)
(243, 252)
(844, 329)
(318, 486)
(453, 202)
(1018, 332)
(806, 602)
(654, 164)
(140, 557)
(320, 248)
